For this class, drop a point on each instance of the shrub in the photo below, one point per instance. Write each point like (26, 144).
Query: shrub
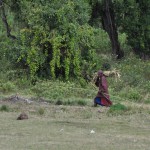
(81, 102)
(134, 95)
(146, 86)
(59, 102)
(4, 108)
(117, 109)
(7, 87)
(41, 111)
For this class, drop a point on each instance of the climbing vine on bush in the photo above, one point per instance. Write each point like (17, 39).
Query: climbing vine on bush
(56, 37)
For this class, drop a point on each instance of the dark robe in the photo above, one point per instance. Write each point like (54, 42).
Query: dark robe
(102, 97)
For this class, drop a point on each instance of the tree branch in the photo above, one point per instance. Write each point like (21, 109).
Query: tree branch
(4, 19)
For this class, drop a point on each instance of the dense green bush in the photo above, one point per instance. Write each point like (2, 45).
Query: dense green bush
(117, 109)
(7, 87)
(4, 108)
(58, 39)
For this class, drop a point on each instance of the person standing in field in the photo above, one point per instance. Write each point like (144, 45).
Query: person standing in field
(102, 98)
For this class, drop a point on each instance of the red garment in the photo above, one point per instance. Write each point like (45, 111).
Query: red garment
(105, 102)
(103, 89)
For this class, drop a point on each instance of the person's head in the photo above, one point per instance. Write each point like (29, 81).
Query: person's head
(100, 73)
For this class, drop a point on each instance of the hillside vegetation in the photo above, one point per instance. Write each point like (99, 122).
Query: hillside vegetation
(51, 50)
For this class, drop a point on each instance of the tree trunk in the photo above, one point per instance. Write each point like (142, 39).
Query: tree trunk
(4, 19)
(108, 20)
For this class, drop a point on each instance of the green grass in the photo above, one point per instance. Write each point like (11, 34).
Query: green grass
(69, 127)
(118, 109)
(7, 87)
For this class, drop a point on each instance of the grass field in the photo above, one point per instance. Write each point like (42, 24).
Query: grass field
(52, 127)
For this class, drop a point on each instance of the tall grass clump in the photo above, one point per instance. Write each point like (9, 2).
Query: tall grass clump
(118, 109)
(4, 108)
(41, 111)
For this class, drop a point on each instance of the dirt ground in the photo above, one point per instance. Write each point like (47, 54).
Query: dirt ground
(52, 127)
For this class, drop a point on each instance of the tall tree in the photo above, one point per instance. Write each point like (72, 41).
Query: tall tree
(105, 10)
(109, 24)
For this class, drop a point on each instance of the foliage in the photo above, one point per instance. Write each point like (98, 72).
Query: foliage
(41, 111)
(62, 39)
(134, 81)
(123, 39)
(59, 39)
(4, 108)
(55, 41)
(8, 54)
(117, 109)
(7, 87)
(81, 102)
(61, 92)
(133, 19)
